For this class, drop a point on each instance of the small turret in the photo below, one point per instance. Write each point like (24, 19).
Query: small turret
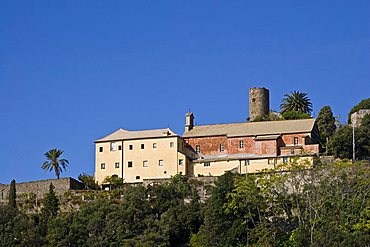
(189, 122)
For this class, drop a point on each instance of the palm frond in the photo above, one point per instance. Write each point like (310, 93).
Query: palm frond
(54, 163)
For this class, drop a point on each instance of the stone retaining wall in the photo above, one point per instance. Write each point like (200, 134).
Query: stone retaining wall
(40, 187)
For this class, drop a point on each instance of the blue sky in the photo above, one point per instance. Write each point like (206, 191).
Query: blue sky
(72, 72)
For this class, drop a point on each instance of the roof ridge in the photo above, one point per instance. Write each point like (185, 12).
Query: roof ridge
(259, 122)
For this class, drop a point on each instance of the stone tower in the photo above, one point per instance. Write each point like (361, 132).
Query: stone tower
(259, 102)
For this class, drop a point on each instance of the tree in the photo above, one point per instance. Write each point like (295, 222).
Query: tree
(12, 195)
(219, 228)
(114, 181)
(326, 124)
(364, 104)
(271, 116)
(50, 203)
(296, 101)
(88, 181)
(340, 144)
(54, 162)
(291, 115)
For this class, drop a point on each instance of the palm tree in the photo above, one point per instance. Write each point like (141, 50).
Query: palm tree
(54, 162)
(296, 101)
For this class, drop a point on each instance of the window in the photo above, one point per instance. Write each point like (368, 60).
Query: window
(247, 163)
(137, 177)
(116, 165)
(181, 162)
(285, 159)
(119, 147)
(145, 163)
(102, 166)
(142, 146)
(100, 149)
(292, 151)
(172, 144)
(165, 172)
(160, 162)
(129, 164)
(222, 147)
(154, 145)
(197, 148)
(112, 146)
(207, 163)
(241, 144)
(295, 140)
(131, 147)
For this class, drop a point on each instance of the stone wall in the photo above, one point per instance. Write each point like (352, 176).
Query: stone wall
(40, 187)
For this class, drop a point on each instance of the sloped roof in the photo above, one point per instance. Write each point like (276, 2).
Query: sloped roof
(253, 128)
(123, 134)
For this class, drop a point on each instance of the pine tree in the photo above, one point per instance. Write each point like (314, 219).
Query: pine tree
(12, 195)
(326, 124)
(51, 202)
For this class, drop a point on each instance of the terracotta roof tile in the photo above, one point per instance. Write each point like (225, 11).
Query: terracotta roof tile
(253, 128)
(123, 134)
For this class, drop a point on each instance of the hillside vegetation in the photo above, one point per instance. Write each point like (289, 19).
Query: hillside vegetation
(326, 206)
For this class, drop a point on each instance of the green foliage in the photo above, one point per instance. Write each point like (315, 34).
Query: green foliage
(54, 162)
(296, 101)
(161, 215)
(366, 121)
(12, 195)
(219, 228)
(364, 104)
(114, 181)
(291, 115)
(88, 181)
(326, 124)
(328, 205)
(271, 116)
(50, 203)
(340, 144)
(16, 229)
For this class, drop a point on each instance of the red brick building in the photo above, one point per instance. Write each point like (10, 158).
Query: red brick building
(273, 138)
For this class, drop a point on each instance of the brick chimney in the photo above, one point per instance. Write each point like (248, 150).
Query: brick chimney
(189, 122)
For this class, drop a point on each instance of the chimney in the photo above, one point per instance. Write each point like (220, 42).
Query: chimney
(189, 123)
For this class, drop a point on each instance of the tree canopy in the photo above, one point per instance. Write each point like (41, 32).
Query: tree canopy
(54, 162)
(88, 181)
(291, 115)
(50, 202)
(326, 125)
(12, 195)
(325, 206)
(296, 101)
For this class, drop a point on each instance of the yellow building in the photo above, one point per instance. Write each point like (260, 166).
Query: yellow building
(138, 155)
(217, 166)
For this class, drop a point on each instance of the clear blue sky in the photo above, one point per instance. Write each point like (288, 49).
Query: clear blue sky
(74, 71)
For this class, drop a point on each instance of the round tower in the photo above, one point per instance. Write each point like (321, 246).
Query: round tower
(259, 102)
